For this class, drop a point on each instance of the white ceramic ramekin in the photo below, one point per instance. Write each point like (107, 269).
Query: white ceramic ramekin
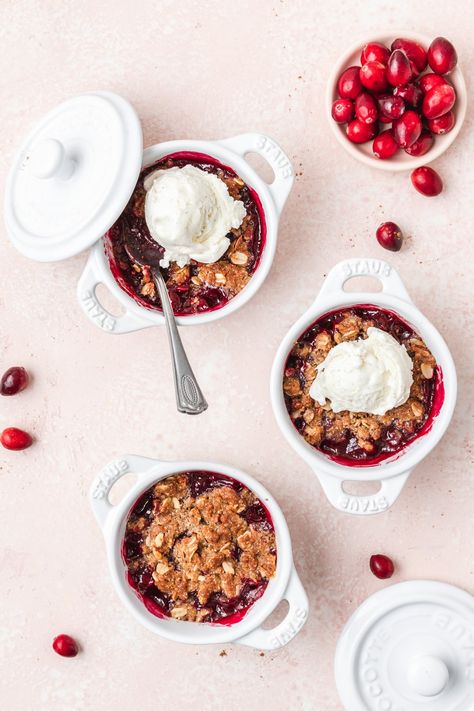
(363, 151)
(392, 472)
(285, 585)
(230, 152)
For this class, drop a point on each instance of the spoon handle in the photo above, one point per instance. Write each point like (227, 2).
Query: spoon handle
(189, 398)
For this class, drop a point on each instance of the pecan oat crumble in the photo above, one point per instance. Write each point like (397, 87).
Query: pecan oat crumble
(196, 287)
(199, 547)
(357, 435)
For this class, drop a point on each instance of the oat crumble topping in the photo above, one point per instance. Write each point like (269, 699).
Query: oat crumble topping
(356, 435)
(199, 546)
(196, 287)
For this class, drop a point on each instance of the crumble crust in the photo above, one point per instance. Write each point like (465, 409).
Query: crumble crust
(319, 423)
(202, 546)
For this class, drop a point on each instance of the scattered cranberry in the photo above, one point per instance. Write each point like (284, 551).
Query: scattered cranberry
(422, 145)
(381, 566)
(410, 93)
(65, 645)
(442, 56)
(359, 132)
(414, 51)
(384, 145)
(427, 181)
(374, 52)
(398, 68)
(13, 438)
(14, 380)
(372, 76)
(391, 107)
(366, 108)
(438, 101)
(407, 129)
(342, 111)
(390, 236)
(428, 81)
(442, 124)
(349, 85)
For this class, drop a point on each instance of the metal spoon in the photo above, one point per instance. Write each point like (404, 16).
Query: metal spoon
(189, 397)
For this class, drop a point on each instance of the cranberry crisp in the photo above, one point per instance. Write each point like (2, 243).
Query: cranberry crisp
(357, 436)
(196, 287)
(199, 547)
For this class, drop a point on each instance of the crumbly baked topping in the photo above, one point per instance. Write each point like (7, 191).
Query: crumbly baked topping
(355, 434)
(207, 544)
(196, 287)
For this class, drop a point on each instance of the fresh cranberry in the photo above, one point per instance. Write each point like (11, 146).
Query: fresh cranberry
(384, 145)
(391, 107)
(14, 380)
(359, 132)
(422, 145)
(366, 108)
(442, 56)
(342, 111)
(390, 236)
(381, 566)
(374, 52)
(439, 101)
(407, 129)
(398, 68)
(384, 119)
(414, 51)
(427, 181)
(429, 81)
(442, 124)
(410, 93)
(65, 645)
(349, 84)
(372, 76)
(13, 438)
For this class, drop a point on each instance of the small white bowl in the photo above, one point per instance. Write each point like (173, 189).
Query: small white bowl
(363, 151)
(231, 152)
(393, 472)
(285, 585)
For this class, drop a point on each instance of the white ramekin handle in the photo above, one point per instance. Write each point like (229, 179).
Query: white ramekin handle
(390, 490)
(86, 294)
(106, 478)
(275, 157)
(375, 268)
(287, 628)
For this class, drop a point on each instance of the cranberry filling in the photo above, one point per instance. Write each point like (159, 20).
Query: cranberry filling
(222, 609)
(394, 434)
(195, 291)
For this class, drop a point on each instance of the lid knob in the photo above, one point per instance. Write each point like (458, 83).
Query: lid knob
(428, 676)
(48, 159)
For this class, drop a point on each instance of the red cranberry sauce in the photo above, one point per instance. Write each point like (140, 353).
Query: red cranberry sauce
(393, 439)
(186, 298)
(224, 610)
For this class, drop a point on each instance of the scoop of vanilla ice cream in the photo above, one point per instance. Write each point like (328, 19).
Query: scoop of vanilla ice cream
(189, 213)
(372, 375)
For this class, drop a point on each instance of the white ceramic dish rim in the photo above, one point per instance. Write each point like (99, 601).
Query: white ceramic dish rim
(393, 472)
(400, 161)
(284, 586)
(231, 152)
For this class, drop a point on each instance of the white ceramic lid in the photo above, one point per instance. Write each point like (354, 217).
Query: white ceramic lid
(73, 176)
(409, 647)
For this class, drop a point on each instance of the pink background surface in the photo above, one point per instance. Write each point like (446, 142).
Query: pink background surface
(208, 70)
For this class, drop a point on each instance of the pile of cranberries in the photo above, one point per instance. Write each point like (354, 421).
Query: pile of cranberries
(390, 100)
